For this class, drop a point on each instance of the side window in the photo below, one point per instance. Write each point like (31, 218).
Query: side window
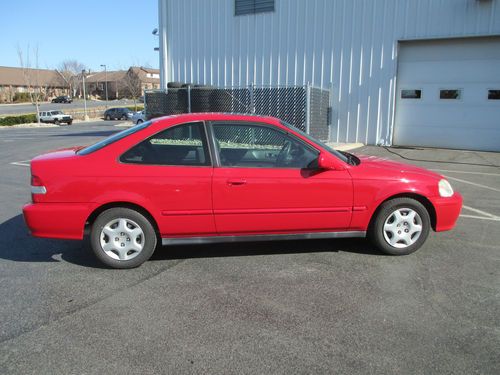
(180, 145)
(254, 146)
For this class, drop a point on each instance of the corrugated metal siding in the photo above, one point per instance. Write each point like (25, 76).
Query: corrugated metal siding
(347, 45)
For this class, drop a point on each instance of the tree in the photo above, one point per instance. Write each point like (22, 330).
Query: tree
(32, 77)
(133, 85)
(71, 71)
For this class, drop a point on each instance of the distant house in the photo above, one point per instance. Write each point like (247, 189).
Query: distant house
(150, 78)
(122, 83)
(18, 80)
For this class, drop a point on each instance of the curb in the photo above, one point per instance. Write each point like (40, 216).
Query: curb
(344, 146)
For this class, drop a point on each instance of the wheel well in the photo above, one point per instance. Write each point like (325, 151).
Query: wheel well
(90, 220)
(420, 198)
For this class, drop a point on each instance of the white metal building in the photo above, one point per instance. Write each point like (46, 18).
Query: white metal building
(402, 72)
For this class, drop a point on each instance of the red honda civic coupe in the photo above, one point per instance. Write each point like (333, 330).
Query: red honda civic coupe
(208, 177)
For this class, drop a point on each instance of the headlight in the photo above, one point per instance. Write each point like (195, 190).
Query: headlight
(445, 189)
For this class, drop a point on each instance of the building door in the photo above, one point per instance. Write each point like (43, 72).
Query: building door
(448, 94)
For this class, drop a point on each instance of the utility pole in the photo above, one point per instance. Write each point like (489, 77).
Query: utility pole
(106, 82)
(85, 116)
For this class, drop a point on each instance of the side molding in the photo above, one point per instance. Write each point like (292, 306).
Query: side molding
(260, 237)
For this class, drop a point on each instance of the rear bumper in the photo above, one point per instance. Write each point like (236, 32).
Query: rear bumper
(56, 220)
(447, 211)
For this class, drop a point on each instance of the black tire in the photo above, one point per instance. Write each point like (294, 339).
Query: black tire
(108, 118)
(174, 85)
(139, 122)
(150, 237)
(56, 122)
(123, 118)
(376, 230)
(70, 122)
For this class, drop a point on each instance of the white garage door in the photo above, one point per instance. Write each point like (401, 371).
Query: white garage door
(449, 94)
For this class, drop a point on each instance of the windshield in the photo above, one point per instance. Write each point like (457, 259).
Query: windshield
(339, 155)
(115, 137)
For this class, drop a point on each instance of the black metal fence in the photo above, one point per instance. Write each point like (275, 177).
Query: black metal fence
(304, 107)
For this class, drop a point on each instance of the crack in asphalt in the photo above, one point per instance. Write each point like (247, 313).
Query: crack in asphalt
(79, 308)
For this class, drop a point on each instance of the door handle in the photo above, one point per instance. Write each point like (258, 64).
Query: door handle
(236, 182)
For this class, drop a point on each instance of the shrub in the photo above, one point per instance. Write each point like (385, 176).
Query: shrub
(139, 108)
(22, 97)
(20, 119)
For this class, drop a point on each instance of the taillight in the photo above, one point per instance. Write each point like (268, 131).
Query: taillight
(37, 186)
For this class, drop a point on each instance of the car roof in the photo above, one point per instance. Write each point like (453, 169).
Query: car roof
(219, 116)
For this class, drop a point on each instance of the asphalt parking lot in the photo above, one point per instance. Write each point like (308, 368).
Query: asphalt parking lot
(317, 306)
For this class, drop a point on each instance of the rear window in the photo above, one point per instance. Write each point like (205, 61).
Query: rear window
(112, 139)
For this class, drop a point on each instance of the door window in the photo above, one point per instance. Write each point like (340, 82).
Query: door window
(450, 94)
(493, 94)
(411, 94)
(180, 145)
(256, 146)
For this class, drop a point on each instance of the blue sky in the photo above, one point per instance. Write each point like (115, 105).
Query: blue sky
(111, 32)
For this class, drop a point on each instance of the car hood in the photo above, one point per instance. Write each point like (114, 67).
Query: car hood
(386, 166)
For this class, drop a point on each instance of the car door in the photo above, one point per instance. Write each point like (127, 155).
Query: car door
(173, 170)
(263, 183)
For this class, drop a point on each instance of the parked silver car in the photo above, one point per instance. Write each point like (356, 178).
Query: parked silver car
(138, 117)
(56, 117)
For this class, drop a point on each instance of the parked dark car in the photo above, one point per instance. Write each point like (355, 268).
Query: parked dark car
(118, 114)
(62, 99)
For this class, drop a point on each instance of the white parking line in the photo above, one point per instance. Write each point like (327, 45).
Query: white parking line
(477, 211)
(466, 172)
(24, 163)
(473, 183)
(480, 217)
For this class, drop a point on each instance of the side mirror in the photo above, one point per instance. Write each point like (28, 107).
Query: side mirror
(326, 161)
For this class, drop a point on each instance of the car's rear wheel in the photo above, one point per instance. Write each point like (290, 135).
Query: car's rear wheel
(108, 117)
(122, 238)
(56, 122)
(139, 122)
(400, 226)
(124, 117)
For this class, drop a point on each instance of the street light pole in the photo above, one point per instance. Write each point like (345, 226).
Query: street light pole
(85, 116)
(106, 83)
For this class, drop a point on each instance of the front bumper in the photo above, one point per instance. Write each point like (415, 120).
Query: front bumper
(56, 220)
(447, 211)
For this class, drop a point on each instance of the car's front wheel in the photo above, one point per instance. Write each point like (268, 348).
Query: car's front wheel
(108, 117)
(56, 121)
(400, 226)
(139, 122)
(122, 238)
